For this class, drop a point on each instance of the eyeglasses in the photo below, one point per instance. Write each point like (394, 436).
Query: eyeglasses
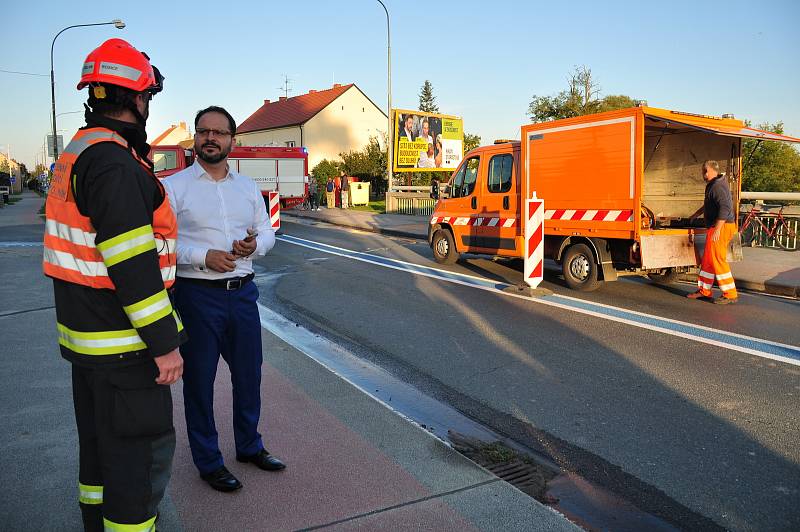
(204, 131)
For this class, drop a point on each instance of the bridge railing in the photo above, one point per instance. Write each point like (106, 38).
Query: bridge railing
(411, 200)
(768, 216)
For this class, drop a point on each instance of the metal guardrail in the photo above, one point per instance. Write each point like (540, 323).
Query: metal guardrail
(415, 206)
(411, 203)
(771, 196)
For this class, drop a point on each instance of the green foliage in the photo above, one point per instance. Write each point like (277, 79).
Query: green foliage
(427, 101)
(471, 141)
(773, 166)
(582, 97)
(367, 164)
(613, 102)
(323, 170)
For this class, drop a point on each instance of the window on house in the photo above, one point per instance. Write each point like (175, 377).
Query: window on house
(290, 144)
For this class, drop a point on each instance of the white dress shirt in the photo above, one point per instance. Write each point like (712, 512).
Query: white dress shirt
(211, 215)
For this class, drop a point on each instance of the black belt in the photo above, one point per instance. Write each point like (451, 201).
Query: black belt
(225, 284)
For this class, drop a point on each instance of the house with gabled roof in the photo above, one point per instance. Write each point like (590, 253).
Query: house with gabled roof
(326, 122)
(174, 134)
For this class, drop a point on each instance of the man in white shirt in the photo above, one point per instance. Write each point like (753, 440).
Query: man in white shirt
(222, 223)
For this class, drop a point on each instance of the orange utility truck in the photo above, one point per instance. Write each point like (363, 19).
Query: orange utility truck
(621, 192)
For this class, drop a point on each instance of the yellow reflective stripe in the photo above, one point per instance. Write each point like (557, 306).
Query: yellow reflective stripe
(127, 245)
(178, 321)
(90, 494)
(100, 343)
(149, 310)
(147, 526)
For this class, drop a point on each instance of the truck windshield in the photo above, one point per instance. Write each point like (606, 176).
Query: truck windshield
(165, 160)
(464, 180)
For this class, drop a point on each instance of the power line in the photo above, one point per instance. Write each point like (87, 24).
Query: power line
(23, 73)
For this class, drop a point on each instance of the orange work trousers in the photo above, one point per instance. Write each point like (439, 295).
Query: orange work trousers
(715, 264)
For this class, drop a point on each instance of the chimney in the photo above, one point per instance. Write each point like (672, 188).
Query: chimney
(266, 102)
(337, 85)
(282, 98)
(312, 91)
(183, 125)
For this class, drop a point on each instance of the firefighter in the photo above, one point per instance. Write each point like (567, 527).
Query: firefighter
(109, 247)
(721, 226)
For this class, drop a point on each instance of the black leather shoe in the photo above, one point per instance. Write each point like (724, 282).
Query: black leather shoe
(222, 480)
(263, 460)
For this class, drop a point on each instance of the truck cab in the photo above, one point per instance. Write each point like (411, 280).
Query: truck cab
(479, 207)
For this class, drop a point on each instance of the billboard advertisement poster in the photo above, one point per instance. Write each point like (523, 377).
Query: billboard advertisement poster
(427, 141)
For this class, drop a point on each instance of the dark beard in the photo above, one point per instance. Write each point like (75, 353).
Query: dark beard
(213, 159)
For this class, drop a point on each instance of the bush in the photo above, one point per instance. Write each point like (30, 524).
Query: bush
(323, 171)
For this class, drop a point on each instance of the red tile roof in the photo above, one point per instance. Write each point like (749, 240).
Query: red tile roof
(291, 111)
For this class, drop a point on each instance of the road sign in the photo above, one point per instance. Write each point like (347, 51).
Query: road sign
(50, 152)
(13, 179)
(52, 167)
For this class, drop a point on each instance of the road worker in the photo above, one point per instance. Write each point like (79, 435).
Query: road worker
(720, 220)
(109, 247)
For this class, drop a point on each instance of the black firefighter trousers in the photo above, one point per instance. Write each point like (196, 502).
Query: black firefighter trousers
(127, 441)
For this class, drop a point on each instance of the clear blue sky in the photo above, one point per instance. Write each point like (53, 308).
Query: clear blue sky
(485, 59)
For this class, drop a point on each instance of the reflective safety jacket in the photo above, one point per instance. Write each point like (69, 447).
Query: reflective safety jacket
(109, 245)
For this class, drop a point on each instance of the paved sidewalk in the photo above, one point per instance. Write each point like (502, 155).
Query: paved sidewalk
(352, 463)
(23, 212)
(764, 270)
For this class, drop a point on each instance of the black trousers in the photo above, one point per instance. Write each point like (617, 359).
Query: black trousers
(126, 441)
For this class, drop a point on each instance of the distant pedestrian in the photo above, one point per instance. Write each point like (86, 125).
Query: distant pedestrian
(313, 199)
(345, 190)
(330, 198)
(720, 221)
(223, 224)
(435, 188)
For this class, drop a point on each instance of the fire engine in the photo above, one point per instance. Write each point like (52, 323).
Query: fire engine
(274, 169)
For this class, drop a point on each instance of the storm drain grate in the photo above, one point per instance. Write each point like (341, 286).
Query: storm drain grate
(523, 473)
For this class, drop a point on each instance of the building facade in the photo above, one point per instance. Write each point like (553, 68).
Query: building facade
(326, 122)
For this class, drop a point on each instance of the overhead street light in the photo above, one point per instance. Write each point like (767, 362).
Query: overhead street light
(117, 24)
(389, 92)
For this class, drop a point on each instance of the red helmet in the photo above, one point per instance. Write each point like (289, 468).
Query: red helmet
(116, 62)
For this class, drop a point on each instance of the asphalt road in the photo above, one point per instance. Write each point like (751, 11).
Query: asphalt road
(697, 433)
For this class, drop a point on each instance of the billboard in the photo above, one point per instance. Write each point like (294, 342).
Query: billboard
(427, 141)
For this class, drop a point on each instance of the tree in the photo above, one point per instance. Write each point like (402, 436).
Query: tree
(427, 101)
(582, 97)
(471, 141)
(367, 164)
(323, 170)
(770, 166)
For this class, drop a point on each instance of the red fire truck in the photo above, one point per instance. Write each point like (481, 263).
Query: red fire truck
(284, 170)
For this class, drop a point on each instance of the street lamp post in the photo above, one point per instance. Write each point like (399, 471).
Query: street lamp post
(118, 24)
(389, 91)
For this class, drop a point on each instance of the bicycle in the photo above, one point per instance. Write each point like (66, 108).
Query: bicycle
(305, 205)
(781, 232)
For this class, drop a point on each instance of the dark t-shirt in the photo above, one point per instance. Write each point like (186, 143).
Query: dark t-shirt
(718, 203)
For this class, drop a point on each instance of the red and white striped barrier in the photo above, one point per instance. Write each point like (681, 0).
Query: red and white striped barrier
(586, 215)
(274, 209)
(474, 221)
(534, 242)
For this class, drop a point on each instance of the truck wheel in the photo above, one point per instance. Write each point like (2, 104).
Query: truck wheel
(443, 246)
(668, 276)
(580, 268)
